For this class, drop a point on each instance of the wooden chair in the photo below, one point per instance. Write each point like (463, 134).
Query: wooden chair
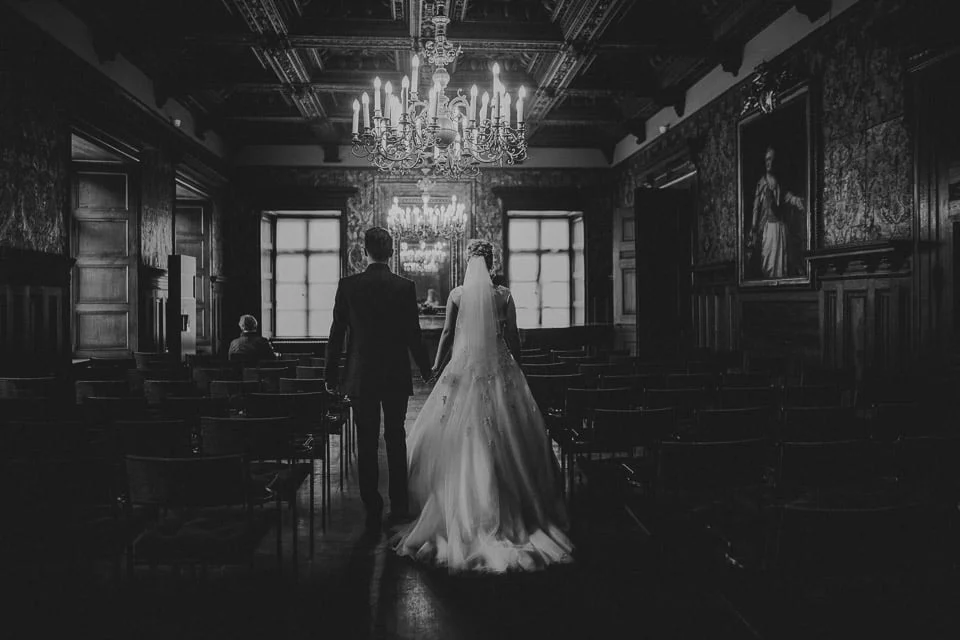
(307, 373)
(555, 369)
(691, 381)
(192, 409)
(42, 387)
(156, 391)
(269, 446)
(222, 527)
(302, 385)
(821, 424)
(684, 401)
(157, 438)
(100, 388)
(550, 392)
(203, 376)
(740, 379)
(745, 397)
(713, 425)
(268, 379)
(536, 359)
(812, 396)
(317, 362)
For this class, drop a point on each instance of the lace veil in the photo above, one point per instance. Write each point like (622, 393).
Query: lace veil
(476, 337)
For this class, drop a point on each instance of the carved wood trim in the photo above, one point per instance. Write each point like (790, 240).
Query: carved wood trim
(882, 259)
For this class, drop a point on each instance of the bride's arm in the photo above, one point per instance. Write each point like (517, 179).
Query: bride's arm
(446, 336)
(512, 332)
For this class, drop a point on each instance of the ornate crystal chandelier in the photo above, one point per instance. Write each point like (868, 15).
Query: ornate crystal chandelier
(447, 136)
(422, 259)
(428, 222)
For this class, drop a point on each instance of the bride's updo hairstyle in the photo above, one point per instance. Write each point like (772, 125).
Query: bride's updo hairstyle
(483, 249)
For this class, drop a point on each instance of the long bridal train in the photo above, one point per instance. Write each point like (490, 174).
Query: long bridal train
(481, 464)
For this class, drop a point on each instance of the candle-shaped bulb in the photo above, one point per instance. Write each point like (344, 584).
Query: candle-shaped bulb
(366, 110)
(522, 93)
(356, 116)
(415, 68)
(505, 111)
(496, 68)
(376, 95)
(484, 102)
(405, 83)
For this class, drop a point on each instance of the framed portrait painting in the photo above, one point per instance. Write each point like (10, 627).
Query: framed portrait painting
(775, 225)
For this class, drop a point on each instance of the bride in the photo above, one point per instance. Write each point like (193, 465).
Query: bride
(481, 466)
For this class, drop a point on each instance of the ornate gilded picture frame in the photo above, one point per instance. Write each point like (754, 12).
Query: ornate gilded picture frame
(776, 189)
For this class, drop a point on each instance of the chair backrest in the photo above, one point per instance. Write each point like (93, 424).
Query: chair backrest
(812, 396)
(149, 360)
(269, 379)
(310, 373)
(109, 388)
(317, 362)
(283, 363)
(160, 438)
(536, 358)
(233, 388)
(301, 385)
(156, 391)
(106, 410)
(36, 409)
(578, 360)
(633, 382)
(817, 542)
(621, 429)
(203, 376)
(569, 352)
(742, 397)
(302, 359)
(684, 401)
(255, 438)
(740, 379)
(553, 369)
(733, 424)
(821, 424)
(844, 379)
(813, 466)
(187, 482)
(710, 466)
(306, 409)
(691, 381)
(550, 390)
(191, 409)
(43, 387)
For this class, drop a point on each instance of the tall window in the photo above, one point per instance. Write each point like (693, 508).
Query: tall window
(303, 249)
(547, 268)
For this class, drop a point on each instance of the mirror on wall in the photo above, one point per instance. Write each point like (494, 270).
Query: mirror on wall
(426, 261)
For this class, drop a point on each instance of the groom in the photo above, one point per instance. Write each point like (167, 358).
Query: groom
(378, 312)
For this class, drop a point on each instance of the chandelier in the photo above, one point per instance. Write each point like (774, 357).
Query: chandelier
(421, 258)
(428, 222)
(447, 136)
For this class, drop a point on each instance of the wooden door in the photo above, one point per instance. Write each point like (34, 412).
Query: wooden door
(104, 233)
(191, 238)
(625, 278)
(663, 224)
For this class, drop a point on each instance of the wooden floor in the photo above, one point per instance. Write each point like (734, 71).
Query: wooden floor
(355, 587)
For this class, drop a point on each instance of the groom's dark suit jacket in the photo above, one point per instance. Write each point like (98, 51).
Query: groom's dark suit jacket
(377, 312)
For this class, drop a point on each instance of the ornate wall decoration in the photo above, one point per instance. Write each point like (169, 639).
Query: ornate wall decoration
(158, 191)
(34, 158)
(867, 160)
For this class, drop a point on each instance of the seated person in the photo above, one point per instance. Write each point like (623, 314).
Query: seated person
(250, 347)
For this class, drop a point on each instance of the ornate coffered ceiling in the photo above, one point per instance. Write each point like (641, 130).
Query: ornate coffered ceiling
(287, 71)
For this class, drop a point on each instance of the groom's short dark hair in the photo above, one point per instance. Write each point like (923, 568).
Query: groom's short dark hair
(378, 243)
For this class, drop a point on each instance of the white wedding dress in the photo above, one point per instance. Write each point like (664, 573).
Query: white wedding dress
(481, 466)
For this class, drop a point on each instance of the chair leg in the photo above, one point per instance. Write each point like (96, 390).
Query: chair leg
(313, 463)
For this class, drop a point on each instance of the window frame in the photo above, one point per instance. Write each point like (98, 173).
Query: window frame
(539, 216)
(274, 217)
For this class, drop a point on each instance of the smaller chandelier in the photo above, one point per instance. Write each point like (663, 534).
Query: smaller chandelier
(422, 259)
(427, 222)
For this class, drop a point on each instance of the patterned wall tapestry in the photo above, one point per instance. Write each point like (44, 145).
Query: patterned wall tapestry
(34, 155)
(158, 191)
(865, 149)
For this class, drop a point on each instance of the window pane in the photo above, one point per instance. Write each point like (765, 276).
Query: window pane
(556, 294)
(291, 296)
(523, 267)
(556, 317)
(527, 318)
(291, 235)
(578, 264)
(324, 234)
(525, 295)
(322, 296)
(320, 320)
(578, 233)
(266, 233)
(291, 269)
(555, 267)
(324, 267)
(291, 323)
(554, 234)
(522, 234)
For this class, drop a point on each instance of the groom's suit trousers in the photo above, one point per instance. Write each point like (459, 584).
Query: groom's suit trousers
(367, 414)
